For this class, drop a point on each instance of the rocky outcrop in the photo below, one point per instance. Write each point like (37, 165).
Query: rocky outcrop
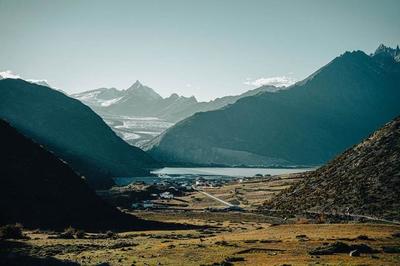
(364, 180)
(383, 50)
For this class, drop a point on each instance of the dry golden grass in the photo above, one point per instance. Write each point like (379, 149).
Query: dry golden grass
(249, 194)
(249, 236)
(253, 240)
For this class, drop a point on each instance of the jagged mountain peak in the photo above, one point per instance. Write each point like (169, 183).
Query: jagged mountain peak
(381, 47)
(136, 85)
(388, 51)
(175, 96)
(138, 88)
(192, 98)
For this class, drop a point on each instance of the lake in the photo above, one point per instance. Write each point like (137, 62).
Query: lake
(206, 172)
(228, 171)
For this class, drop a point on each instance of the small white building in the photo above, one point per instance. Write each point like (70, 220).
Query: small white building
(136, 205)
(142, 205)
(166, 195)
(147, 204)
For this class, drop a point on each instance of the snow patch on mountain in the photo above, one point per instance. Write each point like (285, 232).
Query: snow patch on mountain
(110, 102)
(8, 74)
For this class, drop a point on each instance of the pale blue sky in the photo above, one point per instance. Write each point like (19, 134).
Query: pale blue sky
(202, 48)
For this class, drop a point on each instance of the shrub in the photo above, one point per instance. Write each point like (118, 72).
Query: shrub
(12, 231)
(68, 233)
(80, 234)
(111, 234)
(321, 219)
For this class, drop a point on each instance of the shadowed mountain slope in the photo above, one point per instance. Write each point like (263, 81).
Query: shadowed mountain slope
(365, 180)
(39, 190)
(72, 131)
(307, 124)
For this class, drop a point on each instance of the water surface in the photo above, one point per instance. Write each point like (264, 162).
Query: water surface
(183, 173)
(228, 171)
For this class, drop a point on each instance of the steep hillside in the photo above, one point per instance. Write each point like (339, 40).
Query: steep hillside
(72, 131)
(39, 190)
(363, 180)
(307, 124)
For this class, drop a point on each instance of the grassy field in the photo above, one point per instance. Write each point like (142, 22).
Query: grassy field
(228, 238)
(249, 194)
(244, 240)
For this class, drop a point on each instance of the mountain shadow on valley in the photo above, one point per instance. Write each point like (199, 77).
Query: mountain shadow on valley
(41, 191)
(72, 131)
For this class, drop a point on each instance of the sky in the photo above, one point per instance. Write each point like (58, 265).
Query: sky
(203, 48)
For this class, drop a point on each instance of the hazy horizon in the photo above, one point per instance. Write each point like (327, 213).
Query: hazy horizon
(206, 49)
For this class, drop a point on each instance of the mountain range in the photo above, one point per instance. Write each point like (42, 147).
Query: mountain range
(306, 124)
(72, 131)
(364, 180)
(142, 101)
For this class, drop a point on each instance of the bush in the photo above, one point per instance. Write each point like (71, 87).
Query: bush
(80, 234)
(71, 233)
(111, 234)
(321, 219)
(68, 233)
(12, 231)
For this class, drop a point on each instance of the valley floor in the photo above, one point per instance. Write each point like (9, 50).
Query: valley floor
(240, 239)
(227, 237)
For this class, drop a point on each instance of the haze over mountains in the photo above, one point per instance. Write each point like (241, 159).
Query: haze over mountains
(307, 124)
(72, 131)
(54, 139)
(138, 114)
(142, 101)
(215, 133)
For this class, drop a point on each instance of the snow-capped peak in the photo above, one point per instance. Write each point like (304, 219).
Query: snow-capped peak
(8, 74)
(138, 88)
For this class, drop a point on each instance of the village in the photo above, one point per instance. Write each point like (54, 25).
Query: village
(189, 193)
